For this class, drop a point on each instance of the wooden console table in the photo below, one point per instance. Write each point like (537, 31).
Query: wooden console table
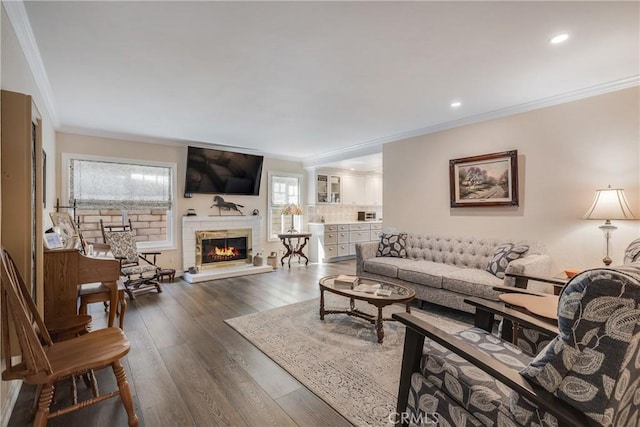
(294, 248)
(65, 269)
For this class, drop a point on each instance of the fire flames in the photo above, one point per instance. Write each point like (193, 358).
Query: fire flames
(216, 252)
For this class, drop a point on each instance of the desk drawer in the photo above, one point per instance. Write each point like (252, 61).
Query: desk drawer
(343, 250)
(330, 251)
(330, 238)
(356, 227)
(360, 236)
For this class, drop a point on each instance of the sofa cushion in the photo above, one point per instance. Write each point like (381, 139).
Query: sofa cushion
(478, 392)
(386, 266)
(503, 255)
(393, 245)
(471, 281)
(425, 273)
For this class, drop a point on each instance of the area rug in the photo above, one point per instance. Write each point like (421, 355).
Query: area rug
(339, 358)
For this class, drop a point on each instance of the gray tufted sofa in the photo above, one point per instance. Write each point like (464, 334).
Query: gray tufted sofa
(446, 269)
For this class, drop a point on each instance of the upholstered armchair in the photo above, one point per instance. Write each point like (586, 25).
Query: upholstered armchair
(589, 374)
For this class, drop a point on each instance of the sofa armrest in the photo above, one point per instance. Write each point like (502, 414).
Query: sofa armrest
(522, 281)
(530, 265)
(364, 251)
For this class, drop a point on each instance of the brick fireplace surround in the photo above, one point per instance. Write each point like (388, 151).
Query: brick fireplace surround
(191, 224)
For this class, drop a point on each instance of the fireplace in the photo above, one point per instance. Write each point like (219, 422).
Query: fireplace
(222, 248)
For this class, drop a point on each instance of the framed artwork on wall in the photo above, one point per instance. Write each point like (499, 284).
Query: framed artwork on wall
(486, 180)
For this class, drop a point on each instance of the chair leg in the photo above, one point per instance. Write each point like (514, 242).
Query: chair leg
(125, 393)
(44, 402)
(123, 309)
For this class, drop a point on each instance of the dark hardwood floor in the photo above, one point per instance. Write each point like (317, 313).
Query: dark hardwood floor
(186, 367)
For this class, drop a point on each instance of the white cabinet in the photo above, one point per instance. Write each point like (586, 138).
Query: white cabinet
(335, 241)
(328, 188)
(353, 190)
(373, 189)
(346, 188)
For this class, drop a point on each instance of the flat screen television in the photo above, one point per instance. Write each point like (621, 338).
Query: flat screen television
(211, 171)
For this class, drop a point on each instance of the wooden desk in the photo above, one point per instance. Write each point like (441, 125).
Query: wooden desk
(293, 249)
(65, 269)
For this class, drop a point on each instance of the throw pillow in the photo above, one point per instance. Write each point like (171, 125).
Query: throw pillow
(393, 245)
(501, 258)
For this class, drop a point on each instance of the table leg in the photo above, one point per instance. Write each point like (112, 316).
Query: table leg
(306, 240)
(113, 301)
(379, 329)
(409, 307)
(287, 253)
(321, 304)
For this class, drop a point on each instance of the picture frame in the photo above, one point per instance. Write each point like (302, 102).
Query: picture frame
(485, 180)
(52, 241)
(65, 222)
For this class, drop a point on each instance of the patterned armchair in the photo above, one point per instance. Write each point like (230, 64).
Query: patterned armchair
(589, 374)
(141, 276)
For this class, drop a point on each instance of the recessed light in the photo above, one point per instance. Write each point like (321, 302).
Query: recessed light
(456, 104)
(560, 38)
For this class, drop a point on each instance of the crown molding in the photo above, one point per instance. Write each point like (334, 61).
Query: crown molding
(17, 15)
(375, 146)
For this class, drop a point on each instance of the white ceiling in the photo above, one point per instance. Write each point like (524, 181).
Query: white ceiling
(320, 81)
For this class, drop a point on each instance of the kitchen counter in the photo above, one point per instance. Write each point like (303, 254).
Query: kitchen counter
(378, 221)
(332, 241)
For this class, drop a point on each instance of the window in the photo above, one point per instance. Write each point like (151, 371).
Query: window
(284, 189)
(117, 191)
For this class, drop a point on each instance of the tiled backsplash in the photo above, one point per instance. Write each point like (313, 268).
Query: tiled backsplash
(337, 213)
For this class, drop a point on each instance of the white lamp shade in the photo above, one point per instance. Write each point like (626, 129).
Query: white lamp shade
(609, 203)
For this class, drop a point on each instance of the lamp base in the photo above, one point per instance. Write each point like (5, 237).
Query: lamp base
(292, 231)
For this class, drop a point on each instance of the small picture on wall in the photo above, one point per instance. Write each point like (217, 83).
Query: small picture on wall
(486, 180)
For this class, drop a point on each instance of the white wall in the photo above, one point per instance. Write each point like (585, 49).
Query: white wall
(99, 146)
(565, 153)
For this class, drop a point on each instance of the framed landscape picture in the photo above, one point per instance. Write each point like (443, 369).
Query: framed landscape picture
(486, 180)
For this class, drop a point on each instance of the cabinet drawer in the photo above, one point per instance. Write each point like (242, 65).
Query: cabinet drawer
(330, 238)
(343, 237)
(360, 236)
(375, 235)
(343, 227)
(330, 251)
(330, 228)
(377, 226)
(343, 250)
(353, 227)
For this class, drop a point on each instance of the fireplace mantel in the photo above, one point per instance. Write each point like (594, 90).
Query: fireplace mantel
(191, 224)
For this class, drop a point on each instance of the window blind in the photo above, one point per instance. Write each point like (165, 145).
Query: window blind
(96, 184)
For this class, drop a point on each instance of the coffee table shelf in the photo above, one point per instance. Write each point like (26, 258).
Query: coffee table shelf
(399, 294)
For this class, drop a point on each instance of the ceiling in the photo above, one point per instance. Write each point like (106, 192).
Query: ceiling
(320, 81)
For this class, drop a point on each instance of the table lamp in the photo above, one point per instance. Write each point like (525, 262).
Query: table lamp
(609, 203)
(292, 210)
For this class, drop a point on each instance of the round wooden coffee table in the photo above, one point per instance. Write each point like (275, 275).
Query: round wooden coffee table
(399, 294)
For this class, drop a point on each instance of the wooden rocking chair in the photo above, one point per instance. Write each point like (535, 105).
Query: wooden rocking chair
(45, 362)
(141, 276)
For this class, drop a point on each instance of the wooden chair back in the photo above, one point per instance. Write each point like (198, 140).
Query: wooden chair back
(19, 313)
